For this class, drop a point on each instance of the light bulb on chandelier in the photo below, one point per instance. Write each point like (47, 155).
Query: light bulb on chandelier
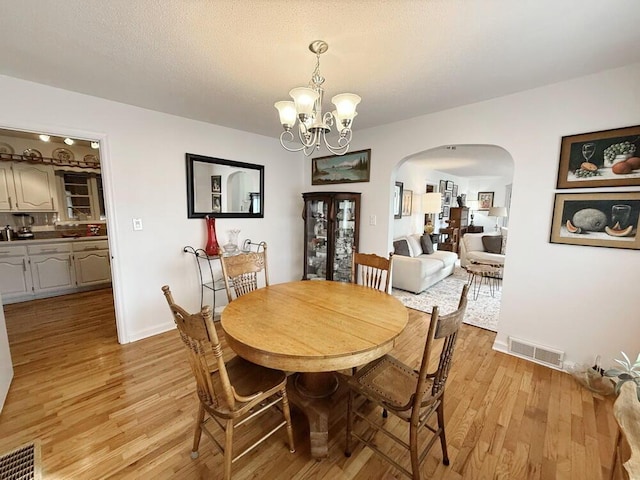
(307, 108)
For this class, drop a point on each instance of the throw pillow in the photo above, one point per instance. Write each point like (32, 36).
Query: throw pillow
(492, 243)
(415, 248)
(427, 244)
(503, 249)
(401, 247)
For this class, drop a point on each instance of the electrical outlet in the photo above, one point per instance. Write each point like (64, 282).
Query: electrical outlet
(137, 224)
(372, 219)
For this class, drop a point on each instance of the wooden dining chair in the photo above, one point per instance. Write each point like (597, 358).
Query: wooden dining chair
(240, 272)
(231, 393)
(411, 395)
(371, 270)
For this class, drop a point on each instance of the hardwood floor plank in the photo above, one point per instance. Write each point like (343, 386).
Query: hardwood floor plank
(103, 410)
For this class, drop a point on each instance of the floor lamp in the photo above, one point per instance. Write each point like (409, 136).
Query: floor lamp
(431, 204)
(498, 212)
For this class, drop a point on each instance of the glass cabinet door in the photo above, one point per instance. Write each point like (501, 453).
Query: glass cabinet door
(317, 215)
(344, 235)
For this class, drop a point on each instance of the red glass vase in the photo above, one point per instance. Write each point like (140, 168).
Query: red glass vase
(212, 247)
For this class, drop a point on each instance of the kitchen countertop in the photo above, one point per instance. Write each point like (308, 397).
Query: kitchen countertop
(38, 241)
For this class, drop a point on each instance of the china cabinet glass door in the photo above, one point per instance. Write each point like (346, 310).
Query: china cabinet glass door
(344, 235)
(317, 215)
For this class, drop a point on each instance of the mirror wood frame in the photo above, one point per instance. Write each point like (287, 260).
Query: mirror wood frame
(191, 158)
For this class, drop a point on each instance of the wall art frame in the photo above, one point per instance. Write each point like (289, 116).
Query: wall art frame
(442, 186)
(397, 200)
(407, 201)
(485, 200)
(352, 167)
(607, 158)
(603, 219)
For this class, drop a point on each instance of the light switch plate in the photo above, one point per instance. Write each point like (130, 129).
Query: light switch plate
(137, 224)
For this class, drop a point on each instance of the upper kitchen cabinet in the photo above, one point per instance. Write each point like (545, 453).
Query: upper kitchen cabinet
(26, 187)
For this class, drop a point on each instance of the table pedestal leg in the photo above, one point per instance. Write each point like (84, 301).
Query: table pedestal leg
(316, 408)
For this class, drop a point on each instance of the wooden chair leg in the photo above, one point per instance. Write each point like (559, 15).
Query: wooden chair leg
(413, 447)
(287, 417)
(347, 448)
(228, 449)
(443, 438)
(198, 431)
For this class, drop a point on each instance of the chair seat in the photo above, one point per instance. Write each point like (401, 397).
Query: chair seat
(248, 379)
(390, 382)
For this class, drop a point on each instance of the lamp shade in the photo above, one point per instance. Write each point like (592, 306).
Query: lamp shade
(498, 212)
(304, 99)
(287, 111)
(431, 202)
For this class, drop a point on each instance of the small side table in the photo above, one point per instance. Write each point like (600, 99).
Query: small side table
(479, 273)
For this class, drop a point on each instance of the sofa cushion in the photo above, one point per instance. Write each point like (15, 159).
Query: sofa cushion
(492, 243)
(485, 257)
(401, 247)
(473, 241)
(427, 244)
(414, 245)
(503, 246)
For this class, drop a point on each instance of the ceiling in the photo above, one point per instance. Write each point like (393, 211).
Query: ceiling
(227, 62)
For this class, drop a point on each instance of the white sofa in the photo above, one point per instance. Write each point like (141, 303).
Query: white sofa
(417, 271)
(471, 249)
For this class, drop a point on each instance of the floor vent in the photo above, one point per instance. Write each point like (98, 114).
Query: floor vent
(20, 464)
(537, 353)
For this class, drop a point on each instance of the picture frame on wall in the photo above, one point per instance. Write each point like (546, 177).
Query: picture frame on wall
(449, 187)
(445, 211)
(608, 158)
(608, 219)
(407, 200)
(216, 202)
(443, 186)
(446, 200)
(216, 183)
(485, 200)
(397, 200)
(352, 167)
(454, 192)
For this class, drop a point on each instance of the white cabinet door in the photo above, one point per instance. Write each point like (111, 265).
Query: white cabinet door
(35, 187)
(7, 188)
(15, 277)
(51, 272)
(92, 268)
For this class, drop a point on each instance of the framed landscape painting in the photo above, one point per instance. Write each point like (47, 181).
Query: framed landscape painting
(348, 168)
(597, 219)
(609, 158)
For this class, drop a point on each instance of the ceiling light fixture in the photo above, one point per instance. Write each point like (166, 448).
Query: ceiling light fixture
(95, 145)
(44, 138)
(307, 108)
(68, 141)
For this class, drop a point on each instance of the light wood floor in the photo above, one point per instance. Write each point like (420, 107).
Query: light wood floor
(104, 410)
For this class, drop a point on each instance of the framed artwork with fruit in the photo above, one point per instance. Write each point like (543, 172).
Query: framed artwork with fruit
(609, 158)
(597, 219)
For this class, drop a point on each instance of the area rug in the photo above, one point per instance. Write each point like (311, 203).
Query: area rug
(482, 312)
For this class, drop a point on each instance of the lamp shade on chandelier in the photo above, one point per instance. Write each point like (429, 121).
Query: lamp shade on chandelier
(306, 109)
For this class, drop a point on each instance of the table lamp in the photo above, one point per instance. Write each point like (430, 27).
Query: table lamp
(431, 203)
(498, 212)
(473, 205)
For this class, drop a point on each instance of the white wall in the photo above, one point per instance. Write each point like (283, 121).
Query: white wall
(582, 300)
(144, 174)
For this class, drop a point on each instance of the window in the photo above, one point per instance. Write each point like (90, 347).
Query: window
(82, 196)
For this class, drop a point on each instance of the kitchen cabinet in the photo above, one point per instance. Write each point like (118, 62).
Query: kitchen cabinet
(51, 267)
(91, 261)
(15, 275)
(41, 268)
(26, 187)
(331, 229)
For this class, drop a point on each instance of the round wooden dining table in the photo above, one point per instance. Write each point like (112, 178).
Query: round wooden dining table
(314, 328)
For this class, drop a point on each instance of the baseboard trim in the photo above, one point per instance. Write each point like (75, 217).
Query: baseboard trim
(150, 332)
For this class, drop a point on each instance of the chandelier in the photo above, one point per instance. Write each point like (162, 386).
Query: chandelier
(307, 108)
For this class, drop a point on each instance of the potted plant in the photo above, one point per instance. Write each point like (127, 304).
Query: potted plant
(630, 372)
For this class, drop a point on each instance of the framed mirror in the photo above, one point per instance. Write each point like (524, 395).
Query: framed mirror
(224, 188)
